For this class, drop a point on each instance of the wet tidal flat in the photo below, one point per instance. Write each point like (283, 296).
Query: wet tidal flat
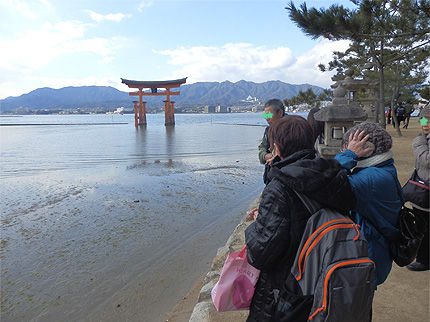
(112, 223)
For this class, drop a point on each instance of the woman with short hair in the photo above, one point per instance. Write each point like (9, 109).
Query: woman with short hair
(368, 160)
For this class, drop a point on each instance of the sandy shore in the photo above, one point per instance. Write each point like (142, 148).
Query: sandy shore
(403, 297)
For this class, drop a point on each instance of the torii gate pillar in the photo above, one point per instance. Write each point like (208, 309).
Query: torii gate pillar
(139, 113)
(169, 113)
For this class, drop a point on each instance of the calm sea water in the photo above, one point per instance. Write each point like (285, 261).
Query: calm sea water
(88, 141)
(103, 221)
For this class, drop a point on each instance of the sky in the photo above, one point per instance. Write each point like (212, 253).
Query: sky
(53, 43)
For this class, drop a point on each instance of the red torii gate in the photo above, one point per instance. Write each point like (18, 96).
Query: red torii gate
(140, 110)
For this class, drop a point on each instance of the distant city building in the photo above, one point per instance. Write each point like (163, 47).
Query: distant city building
(209, 109)
(222, 109)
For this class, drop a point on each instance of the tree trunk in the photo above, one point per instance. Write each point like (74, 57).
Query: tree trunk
(381, 86)
(396, 101)
(381, 109)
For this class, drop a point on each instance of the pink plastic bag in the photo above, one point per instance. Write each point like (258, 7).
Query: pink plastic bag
(236, 284)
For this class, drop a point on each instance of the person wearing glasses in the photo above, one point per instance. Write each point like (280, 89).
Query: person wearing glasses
(273, 110)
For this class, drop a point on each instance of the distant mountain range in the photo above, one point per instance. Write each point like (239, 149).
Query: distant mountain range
(203, 93)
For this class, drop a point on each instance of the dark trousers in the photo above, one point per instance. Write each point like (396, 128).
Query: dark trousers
(423, 251)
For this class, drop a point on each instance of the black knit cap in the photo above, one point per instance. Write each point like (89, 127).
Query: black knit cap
(380, 138)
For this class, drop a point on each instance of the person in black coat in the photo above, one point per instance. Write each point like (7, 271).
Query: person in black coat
(273, 239)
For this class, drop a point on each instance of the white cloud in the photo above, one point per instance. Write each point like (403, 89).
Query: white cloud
(306, 68)
(29, 9)
(236, 61)
(29, 52)
(145, 4)
(20, 6)
(26, 55)
(117, 17)
(38, 47)
(46, 3)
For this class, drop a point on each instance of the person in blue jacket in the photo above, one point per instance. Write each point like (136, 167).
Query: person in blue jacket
(368, 160)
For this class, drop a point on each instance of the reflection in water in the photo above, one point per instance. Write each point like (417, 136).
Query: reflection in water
(141, 141)
(152, 148)
(170, 144)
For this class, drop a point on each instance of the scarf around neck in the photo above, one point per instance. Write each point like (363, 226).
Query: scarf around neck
(374, 160)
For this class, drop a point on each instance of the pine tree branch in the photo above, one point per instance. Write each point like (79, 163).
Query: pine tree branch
(405, 53)
(404, 34)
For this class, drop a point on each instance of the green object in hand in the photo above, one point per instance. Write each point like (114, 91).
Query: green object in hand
(423, 121)
(267, 115)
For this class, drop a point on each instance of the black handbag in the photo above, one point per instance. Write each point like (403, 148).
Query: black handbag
(404, 249)
(416, 191)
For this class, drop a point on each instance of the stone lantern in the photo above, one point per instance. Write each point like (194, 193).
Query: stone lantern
(338, 117)
(361, 92)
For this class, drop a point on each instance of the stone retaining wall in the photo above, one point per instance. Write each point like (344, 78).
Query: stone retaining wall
(204, 310)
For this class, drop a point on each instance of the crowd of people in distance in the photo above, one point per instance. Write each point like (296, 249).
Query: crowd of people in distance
(360, 182)
(402, 112)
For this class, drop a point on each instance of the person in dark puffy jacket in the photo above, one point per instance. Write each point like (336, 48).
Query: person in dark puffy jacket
(273, 239)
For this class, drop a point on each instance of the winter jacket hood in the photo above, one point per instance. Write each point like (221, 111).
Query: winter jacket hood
(320, 179)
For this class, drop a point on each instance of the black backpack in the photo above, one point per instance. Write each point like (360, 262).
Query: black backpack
(332, 278)
(400, 111)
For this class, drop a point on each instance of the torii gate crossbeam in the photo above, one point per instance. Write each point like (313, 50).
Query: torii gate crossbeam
(140, 106)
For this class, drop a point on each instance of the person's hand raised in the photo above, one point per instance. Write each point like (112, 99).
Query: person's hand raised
(357, 144)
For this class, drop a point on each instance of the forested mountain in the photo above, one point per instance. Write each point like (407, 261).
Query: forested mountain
(201, 93)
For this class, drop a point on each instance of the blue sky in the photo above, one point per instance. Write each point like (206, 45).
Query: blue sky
(49, 43)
